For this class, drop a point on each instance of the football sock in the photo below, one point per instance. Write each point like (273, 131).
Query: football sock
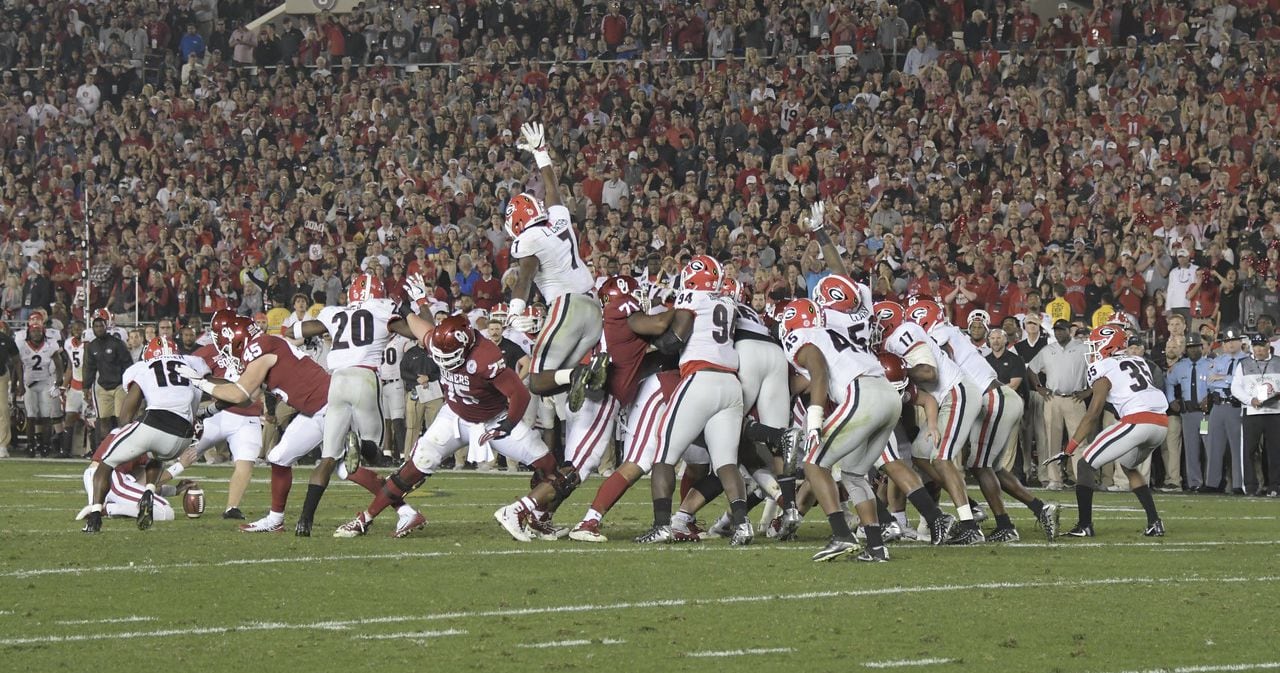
(686, 483)
(682, 517)
(767, 482)
(314, 493)
(1148, 502)
(281, 482)
(964, 512)
(874, 537)
(608, 494)
(788, 486)
(882, 511)
(901, 518)
(753, 499)
(1084, 503)
(738, 512)
(934, 489)
(593, 515)
(366, 478)
(924, 503)
(662, 511)
(839, 527)
(1036, 506)
(391, 493)
(1003, 521)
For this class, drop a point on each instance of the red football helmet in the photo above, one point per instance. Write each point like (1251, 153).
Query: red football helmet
(538, 313)
(837, 293)
(365, 286)
(1107, 340)
(798, 314)
(159, 347)
(219, 320)
(621, 294)
(450, 342)
(500, 312)
(886, 317)
(523, 211)
(702, 272)
(235, 334)
(895, 369)
(731, 288)
(105, 316)
(927, 314)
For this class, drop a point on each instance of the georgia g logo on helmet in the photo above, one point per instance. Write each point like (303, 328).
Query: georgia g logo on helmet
(919, 314)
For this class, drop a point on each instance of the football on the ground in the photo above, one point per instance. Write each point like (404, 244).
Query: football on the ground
(193, 502)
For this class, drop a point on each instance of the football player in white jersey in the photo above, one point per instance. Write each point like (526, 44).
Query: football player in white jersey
(1124, 382)
(544, 247)
(708, 400)
(1000, 417)
(41, 379)
(959, 399)
(393, 398)
(73, 400)
(360, 332)
(164, 431)
(867, 409)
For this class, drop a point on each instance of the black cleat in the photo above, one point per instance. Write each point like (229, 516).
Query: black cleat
(303, 529)
(940, 529)
(967, 536)
(1004, 535)
(146, 510)
(233, 513)
(1082, 530)
(873, 555)
(1048, 520)
(1154, 529)
(587, 377)
(93, 523)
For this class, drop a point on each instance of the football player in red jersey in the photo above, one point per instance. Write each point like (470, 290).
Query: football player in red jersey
(484, 405)
(302, 384)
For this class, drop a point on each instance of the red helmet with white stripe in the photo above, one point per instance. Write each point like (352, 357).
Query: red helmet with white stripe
(450, 342)
(799, 314)
(1107, 340)
(837, 293)
(538, 314)
(500, 312)
(620, 295)
(886, 317)
(701, 273)
(105, 316)
(731, 288)
(523, 211)
(365, 286)
(159, 347)
(927, 314)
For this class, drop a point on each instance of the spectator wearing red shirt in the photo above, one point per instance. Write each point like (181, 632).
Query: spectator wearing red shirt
(1075, 283)
(488, 290)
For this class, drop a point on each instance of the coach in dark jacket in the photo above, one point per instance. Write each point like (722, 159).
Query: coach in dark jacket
(106, 358)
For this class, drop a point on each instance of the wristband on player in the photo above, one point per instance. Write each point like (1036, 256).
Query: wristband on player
(1071, 447)
(542, 157)
(814, 418)
(204, 385)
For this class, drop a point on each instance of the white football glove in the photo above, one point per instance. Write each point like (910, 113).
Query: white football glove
(416, 287)
(531, 137)
(194, 376)
(55, 392)
(522, 323)
(817, 216)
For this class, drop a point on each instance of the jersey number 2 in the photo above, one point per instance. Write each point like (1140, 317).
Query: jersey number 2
(361, 329)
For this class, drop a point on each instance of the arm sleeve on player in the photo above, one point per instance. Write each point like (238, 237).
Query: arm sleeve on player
(513, 389)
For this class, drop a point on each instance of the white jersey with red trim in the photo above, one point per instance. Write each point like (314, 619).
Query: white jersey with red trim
(37, 359)
(561, 270)
(524, 341)
(911, 343)
(162, 386)
(392, 354)
(359, 332)
(74, 348)
(1132, 387)
(749, 321)
(845, 361)
(967, 356)
(710, 344)
(856, 327)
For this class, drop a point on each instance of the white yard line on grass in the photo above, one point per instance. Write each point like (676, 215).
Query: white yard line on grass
(112, 620)
(569, 643)
(902, 663)
(643, 549)
(1210, 668)
(410, 635)
(339, 625)
(739, 653)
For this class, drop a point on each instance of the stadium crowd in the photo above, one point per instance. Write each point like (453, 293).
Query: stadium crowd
(1113, 161)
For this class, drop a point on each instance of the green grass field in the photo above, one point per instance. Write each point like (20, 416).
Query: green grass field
(462, 596)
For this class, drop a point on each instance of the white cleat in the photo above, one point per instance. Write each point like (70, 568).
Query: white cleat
(264, 525)
(587, 531)
(354, 528)
(513, 518)
(408, 524)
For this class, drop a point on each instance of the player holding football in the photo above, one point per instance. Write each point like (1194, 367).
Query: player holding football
(1124, 382)
(485, 404)
(164, 431)
(544, 247)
